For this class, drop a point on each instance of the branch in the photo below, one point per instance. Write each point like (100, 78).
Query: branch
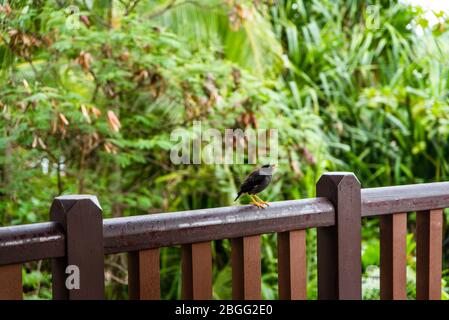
(174, 4)
(130, 6)
(163, 10)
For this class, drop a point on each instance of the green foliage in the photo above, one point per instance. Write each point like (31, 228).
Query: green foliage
(90, 109)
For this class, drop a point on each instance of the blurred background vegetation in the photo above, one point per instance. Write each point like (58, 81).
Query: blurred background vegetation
(91, 90)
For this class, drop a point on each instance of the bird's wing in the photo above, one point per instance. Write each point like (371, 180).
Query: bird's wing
(253, 179)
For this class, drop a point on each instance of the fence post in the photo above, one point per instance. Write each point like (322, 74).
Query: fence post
(80, 217)
(339, 246)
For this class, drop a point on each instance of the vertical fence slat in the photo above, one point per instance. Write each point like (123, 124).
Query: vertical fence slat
(197, 271)
(80, 216)
(393, 255)
(246, 268)
(11, 282)
(429, 237)
(339, 246)
(292, 265)
(144, 275)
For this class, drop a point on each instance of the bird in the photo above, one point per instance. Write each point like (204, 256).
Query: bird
(256, 182)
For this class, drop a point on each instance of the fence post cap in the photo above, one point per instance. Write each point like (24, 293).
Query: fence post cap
(69, 200)
(338, 177)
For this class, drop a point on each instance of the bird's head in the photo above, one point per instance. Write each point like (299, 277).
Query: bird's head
(267, 169)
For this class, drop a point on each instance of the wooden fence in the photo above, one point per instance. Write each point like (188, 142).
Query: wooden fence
(77, 235)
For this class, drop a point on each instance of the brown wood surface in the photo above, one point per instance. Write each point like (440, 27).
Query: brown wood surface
(28, 242)
(406, 198)
(292, 265)
(80, 216)
(393, 256)
(197, 271)
(11, 282)
(163, 229)
(339, 246)
(246, 268)
(144, 275)
(429, 235)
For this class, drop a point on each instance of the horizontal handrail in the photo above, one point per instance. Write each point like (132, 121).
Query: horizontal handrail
(160, 230)
(30, 242)
(46, 240)
(406, 198)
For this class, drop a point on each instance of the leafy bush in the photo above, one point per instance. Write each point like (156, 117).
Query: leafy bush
(89, 100)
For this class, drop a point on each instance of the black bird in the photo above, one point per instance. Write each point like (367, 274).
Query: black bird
(257, 181)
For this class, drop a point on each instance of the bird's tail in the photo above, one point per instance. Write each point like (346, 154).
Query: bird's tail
(238, 196)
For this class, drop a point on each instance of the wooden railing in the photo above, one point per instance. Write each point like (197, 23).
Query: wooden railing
(77, 235)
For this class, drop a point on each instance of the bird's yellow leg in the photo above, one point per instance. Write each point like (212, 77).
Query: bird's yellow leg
(254, 202)
(261, 201)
